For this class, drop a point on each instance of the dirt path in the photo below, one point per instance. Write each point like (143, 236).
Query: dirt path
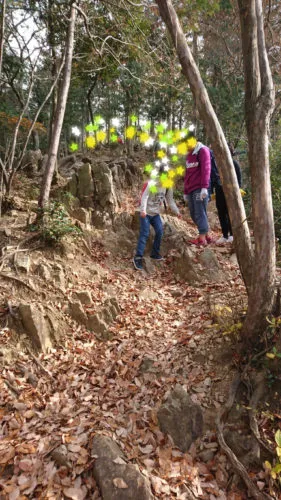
(167, 333)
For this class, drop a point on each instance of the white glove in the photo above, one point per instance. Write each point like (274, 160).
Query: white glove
(204, 193)
(185, 197)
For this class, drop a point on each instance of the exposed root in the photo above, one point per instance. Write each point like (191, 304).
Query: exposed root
(236, 464)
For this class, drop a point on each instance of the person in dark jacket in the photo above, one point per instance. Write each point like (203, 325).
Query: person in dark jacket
(216, 187)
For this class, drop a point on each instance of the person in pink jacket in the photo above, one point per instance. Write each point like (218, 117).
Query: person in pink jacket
(196, 183)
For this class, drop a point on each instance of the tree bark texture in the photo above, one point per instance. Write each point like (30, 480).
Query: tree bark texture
(259, 105)
(2, 32)
(219, 144)
(60, 111)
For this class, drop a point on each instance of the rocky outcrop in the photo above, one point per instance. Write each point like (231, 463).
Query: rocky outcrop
(181, 418)
(117, 479)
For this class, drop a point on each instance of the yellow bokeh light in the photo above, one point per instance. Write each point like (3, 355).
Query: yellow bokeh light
(191, 143)
(180, 170)
(161, 154)
(101, 136)
(182, 148)
(167, 183)
(130, 132)
(171, 174)
(90, 141)
(144, 136)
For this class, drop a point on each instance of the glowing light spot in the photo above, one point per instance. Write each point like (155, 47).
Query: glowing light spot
(115, 122)
(161, 154)
(101, 136)
(157, 163)
(173, 150)
(166, 168)
(174, 158)
(191, 143)
(112, 129)
(154, 173)
(90, 142)
(165, 160)
(147, 125)
(149, 142)
(75, 131)
(163, 145)
(130, 132)
(133, 119)
(89, 128)
(113, 138)
(98, 120)
(144, 137)
(148, 167)
(191, 127)
(177, 135)
(171, 174)
(182, 148)
(180, 170)
(153, 189)
(167, 183)
(73, 146)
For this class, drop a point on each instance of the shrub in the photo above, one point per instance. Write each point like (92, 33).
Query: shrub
(53, 223)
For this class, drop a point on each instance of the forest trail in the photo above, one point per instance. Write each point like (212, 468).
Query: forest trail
(166, 333)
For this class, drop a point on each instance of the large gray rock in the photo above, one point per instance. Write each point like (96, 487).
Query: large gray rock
(117, 479)
(76, 311)
(185, 267)
(181, 418)
(85, 186)
(33, 319)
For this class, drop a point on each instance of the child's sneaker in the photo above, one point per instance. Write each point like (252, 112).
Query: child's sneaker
(156, 257)
(209, 240)
(137, 261)
(222, 241)
(199, 242)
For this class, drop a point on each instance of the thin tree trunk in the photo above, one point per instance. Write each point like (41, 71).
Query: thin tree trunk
(89, 97)
(2, 32)
(259, 105)
(60, 111)
(215, 133)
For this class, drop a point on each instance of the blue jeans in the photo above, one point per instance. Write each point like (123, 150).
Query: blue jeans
(198, 211)
(145, 222)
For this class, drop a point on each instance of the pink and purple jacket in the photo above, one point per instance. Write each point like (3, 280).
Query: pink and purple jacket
(198, 169)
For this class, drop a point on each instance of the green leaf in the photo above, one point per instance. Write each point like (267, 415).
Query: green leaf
(278, 438)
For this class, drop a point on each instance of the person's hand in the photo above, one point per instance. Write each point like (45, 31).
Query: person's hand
(143, 215)
(204, 194)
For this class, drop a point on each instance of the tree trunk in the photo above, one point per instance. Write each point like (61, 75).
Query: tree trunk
(56, 132)
(259, 105)
(2, 32)
(215, 133)
(89, 97)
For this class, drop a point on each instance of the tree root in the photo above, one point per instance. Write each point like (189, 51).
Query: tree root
(44, 370)
(9, 276)
(236, 464)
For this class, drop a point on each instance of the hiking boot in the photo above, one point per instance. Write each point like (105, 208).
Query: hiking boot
(198, 242)
(156, 257)
(137, 261)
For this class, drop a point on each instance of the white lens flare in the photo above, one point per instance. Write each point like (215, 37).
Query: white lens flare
(75, 131)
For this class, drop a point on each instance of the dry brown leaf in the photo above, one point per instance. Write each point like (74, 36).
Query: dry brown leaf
(120, 483)
(74, 493)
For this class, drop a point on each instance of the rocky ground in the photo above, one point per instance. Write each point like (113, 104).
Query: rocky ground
(112, 379)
